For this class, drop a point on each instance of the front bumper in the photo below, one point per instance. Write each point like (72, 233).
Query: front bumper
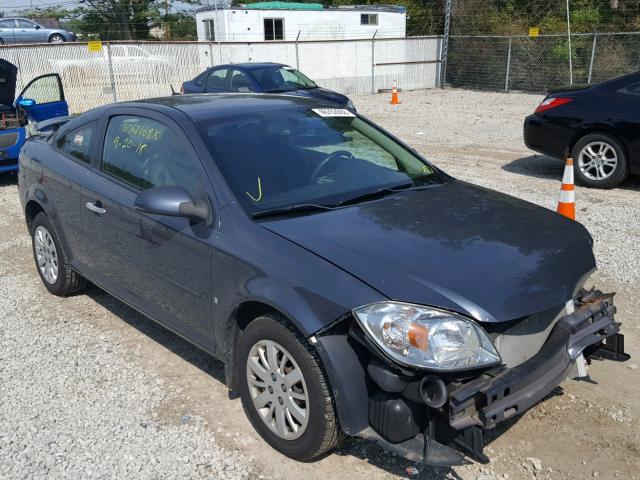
(477, 405)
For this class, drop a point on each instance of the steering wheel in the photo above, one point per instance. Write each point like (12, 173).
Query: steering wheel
(326, 161)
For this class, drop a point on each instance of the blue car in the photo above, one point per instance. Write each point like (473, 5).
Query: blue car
(261, 78)
(349, 286)
(42, 99)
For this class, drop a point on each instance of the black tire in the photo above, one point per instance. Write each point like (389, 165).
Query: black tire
(615, 177)
(322, 432)
(68, 281)
(57, 38)
(1, 42)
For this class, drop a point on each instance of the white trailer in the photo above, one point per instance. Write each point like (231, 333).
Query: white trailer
(285, 21)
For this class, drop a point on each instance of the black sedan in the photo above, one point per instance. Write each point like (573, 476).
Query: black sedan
(261, 78)
(599, 126)
(349, 286)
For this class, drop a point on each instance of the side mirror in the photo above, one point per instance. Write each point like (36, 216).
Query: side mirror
(25, 102)
(38, 27)
(172, 201)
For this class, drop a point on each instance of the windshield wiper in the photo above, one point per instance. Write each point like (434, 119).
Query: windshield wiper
(379, 193)
(279, 90)
(291, 209)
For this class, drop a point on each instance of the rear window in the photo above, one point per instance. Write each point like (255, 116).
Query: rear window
(77, 143)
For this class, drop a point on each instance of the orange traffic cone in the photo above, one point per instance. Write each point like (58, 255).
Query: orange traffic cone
(394, 94)
(567, 203)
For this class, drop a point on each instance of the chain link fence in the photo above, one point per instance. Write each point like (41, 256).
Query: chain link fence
(537, 64)
(123, 71)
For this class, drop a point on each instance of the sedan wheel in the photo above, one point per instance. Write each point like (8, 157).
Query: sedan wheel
(278, 389)
(599, 161)
(46, 255)
(55, 38)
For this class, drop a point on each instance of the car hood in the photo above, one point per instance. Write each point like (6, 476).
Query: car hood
(323, 94)
(8, 75)
(454, 246)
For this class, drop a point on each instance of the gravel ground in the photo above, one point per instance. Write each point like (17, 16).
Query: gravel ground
(73, 406)
(90, 388)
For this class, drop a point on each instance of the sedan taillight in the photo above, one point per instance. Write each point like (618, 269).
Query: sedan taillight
(552, 102)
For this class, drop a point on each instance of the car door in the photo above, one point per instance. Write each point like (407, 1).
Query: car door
(7, 30)
(27, 32)
(159, 264)
(43, 98)
(217, 81)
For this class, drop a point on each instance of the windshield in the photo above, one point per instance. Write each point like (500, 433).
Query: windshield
(281, 79)
(284, 158)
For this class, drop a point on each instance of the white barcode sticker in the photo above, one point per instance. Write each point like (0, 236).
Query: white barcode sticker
(333, 112)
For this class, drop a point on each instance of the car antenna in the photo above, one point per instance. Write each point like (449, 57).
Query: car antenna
(173, 92)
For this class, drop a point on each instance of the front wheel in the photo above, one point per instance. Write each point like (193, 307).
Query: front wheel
(599, 161)
(284, 390)
(56, 38)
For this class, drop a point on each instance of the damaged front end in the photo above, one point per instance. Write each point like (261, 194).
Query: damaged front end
(439, 417)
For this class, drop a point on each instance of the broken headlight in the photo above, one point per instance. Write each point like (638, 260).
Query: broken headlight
(425, 337)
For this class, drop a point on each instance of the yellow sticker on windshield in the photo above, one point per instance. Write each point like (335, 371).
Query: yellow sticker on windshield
(333, 112)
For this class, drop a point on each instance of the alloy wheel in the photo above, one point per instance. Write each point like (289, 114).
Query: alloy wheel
(278, 389)
(46, 254)
(597, 160)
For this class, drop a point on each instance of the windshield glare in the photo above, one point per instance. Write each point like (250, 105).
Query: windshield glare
(283, 158)
(281, 79)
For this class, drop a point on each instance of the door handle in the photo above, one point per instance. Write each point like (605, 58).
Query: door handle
(95, 207)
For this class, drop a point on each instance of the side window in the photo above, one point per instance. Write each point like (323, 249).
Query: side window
(145, 153)
(44, 90)
(199, 80)
(25, 23)
(77, 143)
(7, 24)
(240, 82)
(218, 79)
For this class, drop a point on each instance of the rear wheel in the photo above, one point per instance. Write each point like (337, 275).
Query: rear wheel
(51, 261)
(599, 161)
(284, 390)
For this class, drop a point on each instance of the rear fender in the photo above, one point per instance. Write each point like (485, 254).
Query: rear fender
(36, 194)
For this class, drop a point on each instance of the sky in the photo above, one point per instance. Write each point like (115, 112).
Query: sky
(9, 6)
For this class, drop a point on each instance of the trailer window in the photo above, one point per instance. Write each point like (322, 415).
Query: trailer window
(273, 29)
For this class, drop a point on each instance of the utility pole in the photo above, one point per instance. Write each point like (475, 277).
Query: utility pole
(167, 27)
(445, 43)
(569, 41)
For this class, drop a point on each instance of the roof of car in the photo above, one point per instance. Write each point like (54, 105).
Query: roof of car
(201, 106)
(251, 65)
